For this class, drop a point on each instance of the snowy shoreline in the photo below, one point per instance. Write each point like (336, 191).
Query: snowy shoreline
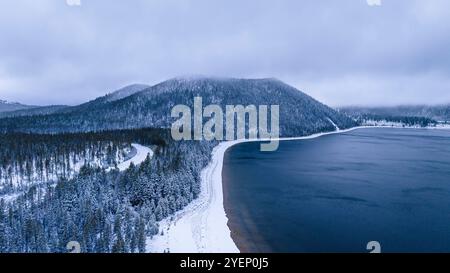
(202, 226)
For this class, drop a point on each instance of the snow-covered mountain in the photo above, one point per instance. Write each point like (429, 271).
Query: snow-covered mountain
(123, 93)
(108, 98)
(6, 106)
(52, 109)
(151, 107)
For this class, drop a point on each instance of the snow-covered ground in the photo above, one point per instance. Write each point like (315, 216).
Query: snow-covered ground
(334, 124)
(384, 123)
(141, 154)
(9, 197)
(441, 126)
(201, 227)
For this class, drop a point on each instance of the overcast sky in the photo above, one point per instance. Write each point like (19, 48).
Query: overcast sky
(341, 52)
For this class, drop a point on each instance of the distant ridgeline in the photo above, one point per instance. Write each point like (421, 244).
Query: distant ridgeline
(33, 111)
(6, 106)
(422, 116)
(371, 119)
(151, 107)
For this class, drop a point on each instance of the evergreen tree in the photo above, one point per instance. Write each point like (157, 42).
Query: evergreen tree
(3, 234)
(140, 235)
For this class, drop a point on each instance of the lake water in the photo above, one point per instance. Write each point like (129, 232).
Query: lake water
(338, 192)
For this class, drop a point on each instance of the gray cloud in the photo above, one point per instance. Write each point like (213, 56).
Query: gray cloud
(342, 52)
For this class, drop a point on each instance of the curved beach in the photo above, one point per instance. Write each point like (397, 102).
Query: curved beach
(202, 227)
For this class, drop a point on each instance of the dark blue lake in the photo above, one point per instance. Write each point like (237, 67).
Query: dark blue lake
(338, 192)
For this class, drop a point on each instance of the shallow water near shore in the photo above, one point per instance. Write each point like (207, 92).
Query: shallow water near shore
(338, 192)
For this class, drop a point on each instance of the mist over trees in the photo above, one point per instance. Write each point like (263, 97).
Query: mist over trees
(411, 115)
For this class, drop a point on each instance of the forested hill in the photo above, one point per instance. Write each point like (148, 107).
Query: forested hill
(299, 113)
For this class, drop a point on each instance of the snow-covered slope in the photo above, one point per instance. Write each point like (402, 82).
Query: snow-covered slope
(125, 92)
(141, 154)
(16, 175)
(102, 102)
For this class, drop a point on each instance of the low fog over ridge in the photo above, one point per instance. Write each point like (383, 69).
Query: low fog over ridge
(340, 52)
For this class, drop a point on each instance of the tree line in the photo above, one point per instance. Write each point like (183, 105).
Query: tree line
(405, 120)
